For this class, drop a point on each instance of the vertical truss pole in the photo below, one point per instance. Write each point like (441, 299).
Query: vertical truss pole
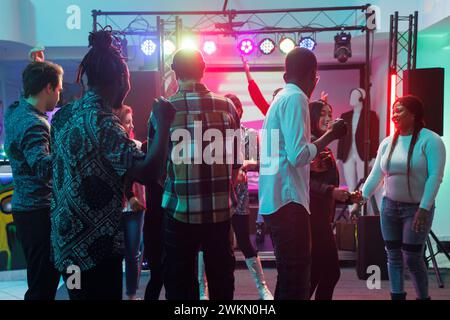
(410, 35)
(160, 30)
(367, 102)
(414, 51)
(178, 31)
(94, 20)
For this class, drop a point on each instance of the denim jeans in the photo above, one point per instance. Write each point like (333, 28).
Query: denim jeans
(404, 246)
(133, 223)
(291, 236)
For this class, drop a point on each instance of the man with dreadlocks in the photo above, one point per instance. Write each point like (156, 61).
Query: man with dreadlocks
(92, 156)
(414, 157)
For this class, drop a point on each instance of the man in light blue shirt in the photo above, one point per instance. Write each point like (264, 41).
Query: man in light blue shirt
(284, 174)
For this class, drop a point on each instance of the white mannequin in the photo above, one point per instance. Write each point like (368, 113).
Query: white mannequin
(354, 166)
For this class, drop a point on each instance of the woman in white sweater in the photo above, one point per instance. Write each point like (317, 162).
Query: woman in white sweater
(411, 163)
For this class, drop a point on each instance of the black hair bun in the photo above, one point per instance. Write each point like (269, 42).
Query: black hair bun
(100, 39)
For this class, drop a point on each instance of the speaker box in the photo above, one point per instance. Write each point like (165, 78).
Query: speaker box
(428, 85)
(145, 87)
(370, 247)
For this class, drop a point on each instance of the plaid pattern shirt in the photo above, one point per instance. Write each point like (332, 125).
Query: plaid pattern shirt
(196, 192)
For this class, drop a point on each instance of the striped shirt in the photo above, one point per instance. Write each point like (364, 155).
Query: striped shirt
(198, 191)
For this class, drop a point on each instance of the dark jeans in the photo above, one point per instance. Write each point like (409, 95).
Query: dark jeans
(325, 271)
(240, 224)
(153, 246)
(103, 282)
(181, 244)
(133, 222)
(291, 237)
(33, 230)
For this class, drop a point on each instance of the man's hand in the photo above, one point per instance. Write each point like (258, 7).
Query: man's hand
(136, 205)
(338, 128)
(340, 194)
(164, 112)
(420, 221)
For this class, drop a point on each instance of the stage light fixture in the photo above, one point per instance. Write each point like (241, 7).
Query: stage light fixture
(286, 45)
(169, 47)
(189, 43)
(308, 43)
(209, 47)
(246, 46)
(342, 47)
(148, 47)
(267, 46)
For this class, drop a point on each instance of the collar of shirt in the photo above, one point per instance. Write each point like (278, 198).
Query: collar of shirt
(191, 86)
(295, 88)
(30, 107)
(91, 98)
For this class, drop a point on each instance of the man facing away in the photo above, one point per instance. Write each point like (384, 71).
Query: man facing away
(27, 144)
(284, 173)
(197, 195)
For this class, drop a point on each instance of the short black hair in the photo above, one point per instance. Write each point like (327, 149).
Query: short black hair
(37, 75)
(300, 62)
(188, 64)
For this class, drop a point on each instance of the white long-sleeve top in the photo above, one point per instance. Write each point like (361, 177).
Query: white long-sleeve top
(426, 172)
(286, 151)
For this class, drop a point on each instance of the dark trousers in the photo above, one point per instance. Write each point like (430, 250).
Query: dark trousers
(33, 230)
(325, 271)
(291, 237)
(153, 246)
(103, 282)
(240, 224)
(181, 245)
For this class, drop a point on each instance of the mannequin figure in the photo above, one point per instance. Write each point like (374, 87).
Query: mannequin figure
(351, 146)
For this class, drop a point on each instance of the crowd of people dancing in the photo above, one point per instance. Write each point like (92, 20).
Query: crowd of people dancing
(87, 194)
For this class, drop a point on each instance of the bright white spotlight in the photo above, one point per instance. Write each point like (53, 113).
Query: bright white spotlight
(209, 47)
(286, 45)
(266, 46)
(148, 47)
(189, 43)
(308, 43)
(169, 47)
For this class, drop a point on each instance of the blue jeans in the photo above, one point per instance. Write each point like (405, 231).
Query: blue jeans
(133, 223)
(404, 246)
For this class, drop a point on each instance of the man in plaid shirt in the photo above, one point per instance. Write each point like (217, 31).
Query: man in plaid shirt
(198, 190)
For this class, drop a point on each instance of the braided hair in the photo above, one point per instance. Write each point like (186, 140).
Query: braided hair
(104, 64)
(415, 106)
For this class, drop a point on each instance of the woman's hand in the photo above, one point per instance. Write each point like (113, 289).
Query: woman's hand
(322, 162)
(241, 177)
(356, 197)
(340, 194)
(136, 205)
(324, 96)
(420, 220)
